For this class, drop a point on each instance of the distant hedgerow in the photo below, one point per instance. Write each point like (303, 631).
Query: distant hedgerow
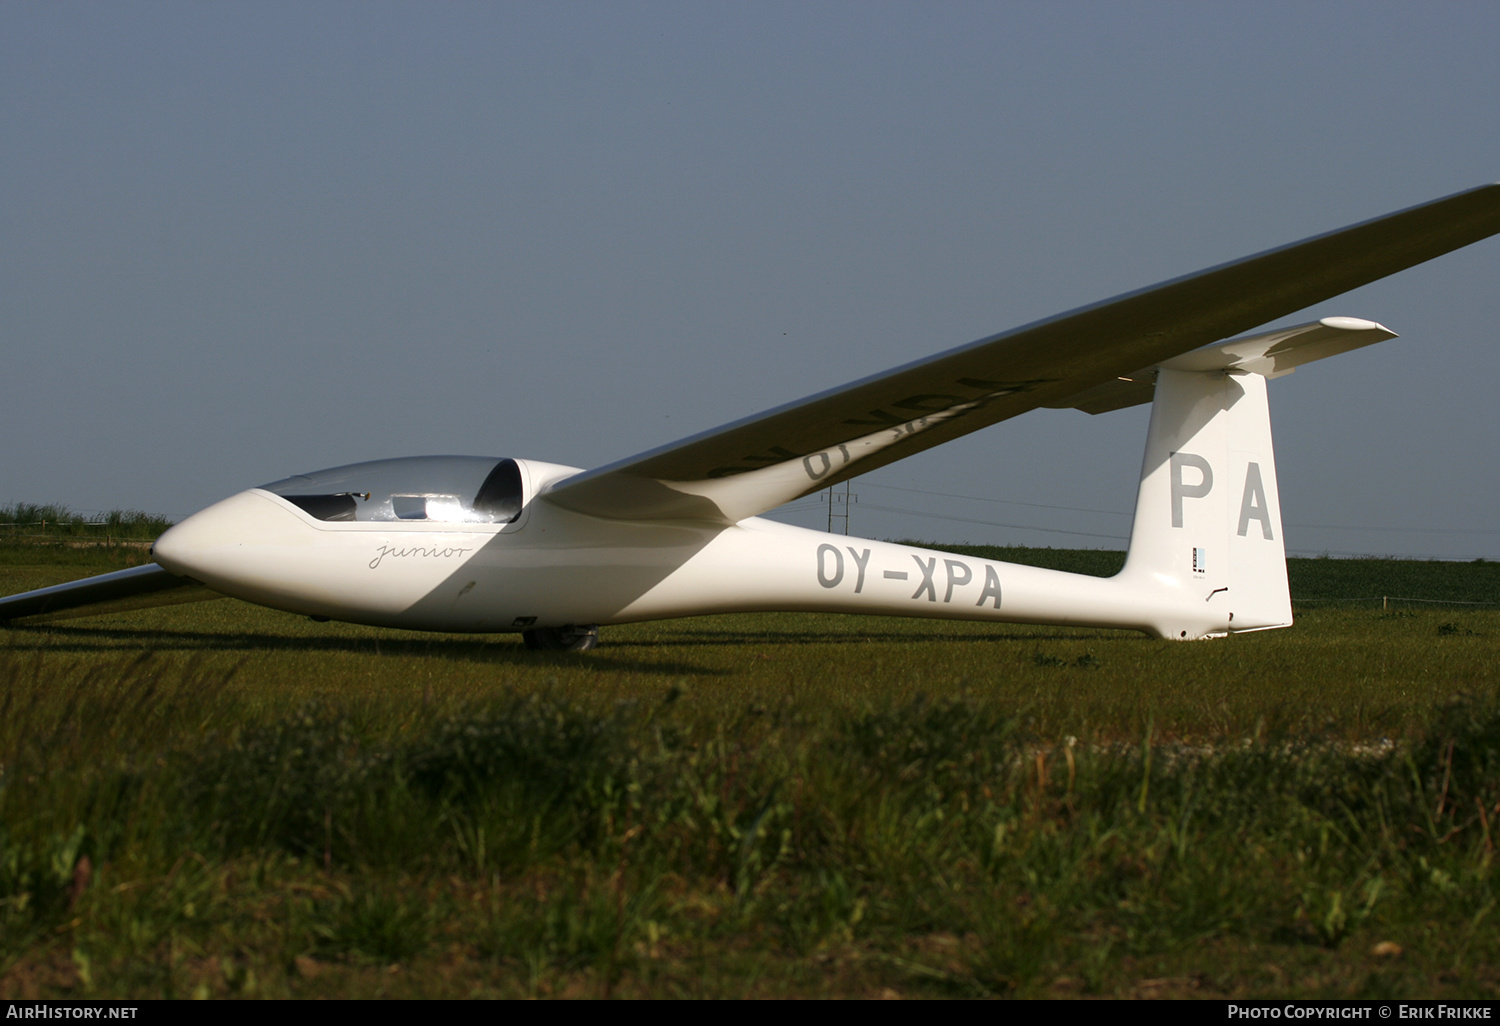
(34, 522)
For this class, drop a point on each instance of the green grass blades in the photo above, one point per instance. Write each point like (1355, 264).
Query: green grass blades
(221, 800)
(30, 522)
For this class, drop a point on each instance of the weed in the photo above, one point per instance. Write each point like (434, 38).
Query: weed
(378, 925)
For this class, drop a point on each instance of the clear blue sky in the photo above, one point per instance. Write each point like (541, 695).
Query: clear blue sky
(246, 240)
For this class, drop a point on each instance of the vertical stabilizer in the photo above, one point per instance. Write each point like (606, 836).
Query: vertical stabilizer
(1207, 530)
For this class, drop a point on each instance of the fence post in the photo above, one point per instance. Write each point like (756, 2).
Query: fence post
(1385, 602)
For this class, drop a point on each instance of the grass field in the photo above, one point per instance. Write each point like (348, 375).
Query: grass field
(217, 799)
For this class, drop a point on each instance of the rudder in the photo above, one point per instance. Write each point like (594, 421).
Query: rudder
(1207, 527)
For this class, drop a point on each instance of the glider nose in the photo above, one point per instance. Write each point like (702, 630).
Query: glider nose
(231, 545)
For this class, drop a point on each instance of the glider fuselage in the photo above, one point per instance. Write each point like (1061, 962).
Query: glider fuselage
(553, 567)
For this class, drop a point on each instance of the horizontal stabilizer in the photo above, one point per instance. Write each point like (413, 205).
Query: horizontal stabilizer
(139, 587)
(1271, 355)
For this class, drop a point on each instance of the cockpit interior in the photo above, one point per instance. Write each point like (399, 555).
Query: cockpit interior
(433, 489)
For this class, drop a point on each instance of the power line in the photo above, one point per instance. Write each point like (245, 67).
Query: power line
(1120, 513)
(1423, 530)
(992, 523)
(1113, 537)
(1007, 502)
(1341, 554)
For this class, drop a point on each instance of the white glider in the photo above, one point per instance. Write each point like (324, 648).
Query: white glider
(482, 544)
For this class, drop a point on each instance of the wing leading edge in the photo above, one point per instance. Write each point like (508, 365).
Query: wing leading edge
(757, 463)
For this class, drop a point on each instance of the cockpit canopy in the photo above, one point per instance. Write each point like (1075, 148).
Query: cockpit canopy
(446, 489)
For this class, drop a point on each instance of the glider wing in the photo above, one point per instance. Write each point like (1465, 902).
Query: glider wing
(136, 588)
(757, 463)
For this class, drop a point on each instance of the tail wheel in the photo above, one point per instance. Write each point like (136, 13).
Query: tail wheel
(572, 638)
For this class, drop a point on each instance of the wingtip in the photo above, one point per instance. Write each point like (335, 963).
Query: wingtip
(1354, 324)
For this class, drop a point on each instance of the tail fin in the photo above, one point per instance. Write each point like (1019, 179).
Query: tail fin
(1208, 517)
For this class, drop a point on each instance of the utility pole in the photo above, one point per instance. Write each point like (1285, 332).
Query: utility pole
(839, 503)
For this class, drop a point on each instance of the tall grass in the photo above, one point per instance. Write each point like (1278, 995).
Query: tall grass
(526, 843)
(33, 522)
(229, 801)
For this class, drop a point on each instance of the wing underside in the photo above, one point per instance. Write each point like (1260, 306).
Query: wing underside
(755, 464)
(139, 587)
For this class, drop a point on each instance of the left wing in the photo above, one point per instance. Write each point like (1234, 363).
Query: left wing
(755, 464)
(136, 588)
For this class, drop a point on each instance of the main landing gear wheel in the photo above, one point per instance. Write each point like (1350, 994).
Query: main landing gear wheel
(572, 638)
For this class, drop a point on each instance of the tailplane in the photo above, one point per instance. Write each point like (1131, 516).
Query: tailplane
(1207, 528)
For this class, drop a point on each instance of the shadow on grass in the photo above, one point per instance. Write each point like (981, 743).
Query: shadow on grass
(507, 652)
(775, 637)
